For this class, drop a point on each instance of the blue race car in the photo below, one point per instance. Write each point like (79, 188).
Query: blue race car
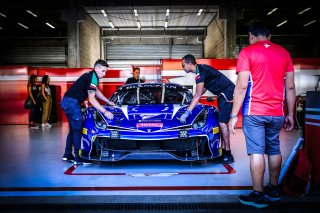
(146, 125)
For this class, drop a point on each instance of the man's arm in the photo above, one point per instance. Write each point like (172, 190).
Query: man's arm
(238, 97)
(102, 97)
(200, 89)
(94, 102)
(291, 98)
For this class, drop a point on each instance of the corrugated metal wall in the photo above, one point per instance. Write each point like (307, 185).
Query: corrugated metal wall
(151, 52)
(34, 52)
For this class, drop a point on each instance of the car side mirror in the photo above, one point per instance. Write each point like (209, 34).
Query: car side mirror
(210, 99)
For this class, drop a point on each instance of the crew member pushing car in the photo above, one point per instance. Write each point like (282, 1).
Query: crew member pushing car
(86, 86)
(208, 78)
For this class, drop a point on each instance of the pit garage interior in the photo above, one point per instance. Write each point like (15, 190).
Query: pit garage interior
(63, 39)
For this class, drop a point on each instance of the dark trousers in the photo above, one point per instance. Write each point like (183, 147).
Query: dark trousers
(72, 109)
(33, 112)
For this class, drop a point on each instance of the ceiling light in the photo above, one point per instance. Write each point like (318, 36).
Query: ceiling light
(305, 10)
(200, 11)
(272, 11)
(50, 25)
(282, 23)
(166, 24)
(167, 13)
(179, 38)
(138, 24)
(1, 28)
(22, 25)
(111, 24)
(311, 22)
(3, 15)
(135, 12)
(31, 13)
(103, 12)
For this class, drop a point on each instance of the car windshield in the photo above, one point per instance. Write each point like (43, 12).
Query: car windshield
(152, 94)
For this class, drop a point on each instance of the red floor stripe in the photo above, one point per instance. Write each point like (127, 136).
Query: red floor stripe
(124, 188)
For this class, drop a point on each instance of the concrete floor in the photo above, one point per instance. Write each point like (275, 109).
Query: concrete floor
(32, 168)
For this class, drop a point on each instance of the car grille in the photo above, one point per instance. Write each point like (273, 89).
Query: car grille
(163, 145)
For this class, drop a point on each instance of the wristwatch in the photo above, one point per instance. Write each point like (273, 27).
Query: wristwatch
(233, 115)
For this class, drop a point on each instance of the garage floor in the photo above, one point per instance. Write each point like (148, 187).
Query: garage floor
(31, 167)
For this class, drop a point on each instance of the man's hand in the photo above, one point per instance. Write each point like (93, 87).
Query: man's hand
(289, 122)
(183, 118)
(108, 114)
(232, 123)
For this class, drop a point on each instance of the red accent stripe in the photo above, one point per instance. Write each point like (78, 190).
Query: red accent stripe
(312, 120)
(229, 169)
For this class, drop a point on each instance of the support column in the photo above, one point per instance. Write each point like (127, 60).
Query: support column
(73, 17)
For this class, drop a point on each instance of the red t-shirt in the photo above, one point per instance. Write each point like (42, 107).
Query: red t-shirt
(268, 64)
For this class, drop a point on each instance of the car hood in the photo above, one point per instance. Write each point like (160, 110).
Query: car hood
(151, 117)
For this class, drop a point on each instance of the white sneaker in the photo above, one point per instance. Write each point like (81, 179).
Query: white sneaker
(48, 125)
(43, 125)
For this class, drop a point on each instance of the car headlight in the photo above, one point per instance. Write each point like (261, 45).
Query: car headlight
(99, 121)
(201, 120)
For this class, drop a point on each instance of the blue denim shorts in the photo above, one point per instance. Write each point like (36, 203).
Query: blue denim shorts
(262, 134)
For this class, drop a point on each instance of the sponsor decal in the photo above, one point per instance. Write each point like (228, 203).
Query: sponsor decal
(266, 45)
(93, 86)
(147, 125)
(147, 116)
(197, 77)
(84, 131)
(215, 130)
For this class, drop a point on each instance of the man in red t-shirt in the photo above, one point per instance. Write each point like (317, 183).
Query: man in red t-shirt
(265, 79)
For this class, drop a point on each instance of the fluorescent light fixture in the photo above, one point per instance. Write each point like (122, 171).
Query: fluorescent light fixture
(179, 38)
(22, 25)
(135, 12)
(166, 24)
(282, 23)
(50, 25)
(138, 24)
(200, 11)
(305, 10)
(103, 12)
(311, 22)
(3, 15)
(167, 13)
(31, 13)
(111, 25)
(272, 11)
(1, 28)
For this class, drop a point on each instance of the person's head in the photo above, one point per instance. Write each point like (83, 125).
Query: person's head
(101, 68)
(259, 31)
(136, 73)
(33, 79)
(189, 63)
(45, 80)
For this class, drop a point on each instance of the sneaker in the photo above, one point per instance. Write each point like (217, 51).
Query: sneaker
(81, 161)
(43, 125)
(272, 193)
(68, 158)
(255, 199)
(48, 125)
(225, 159)
(33, 126)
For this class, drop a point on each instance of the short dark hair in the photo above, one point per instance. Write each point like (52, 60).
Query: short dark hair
(259, 28)
(189, 59)
(101, 63)
(136, 68)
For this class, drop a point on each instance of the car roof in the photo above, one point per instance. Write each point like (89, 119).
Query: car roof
(148, 85)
